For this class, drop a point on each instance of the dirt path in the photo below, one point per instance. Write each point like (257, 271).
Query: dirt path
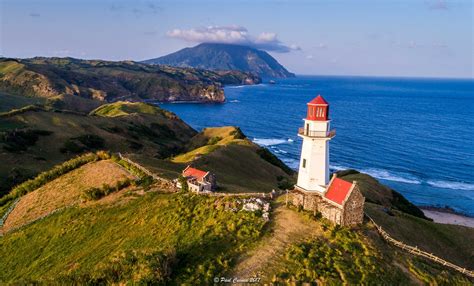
(288, 227)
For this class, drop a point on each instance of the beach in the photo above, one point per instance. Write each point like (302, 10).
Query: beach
(448, 217)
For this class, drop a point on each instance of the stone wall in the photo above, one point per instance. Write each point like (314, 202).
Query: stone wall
(354, 208)
(351, 213)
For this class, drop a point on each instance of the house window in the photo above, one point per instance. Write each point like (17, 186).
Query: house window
(304, 163)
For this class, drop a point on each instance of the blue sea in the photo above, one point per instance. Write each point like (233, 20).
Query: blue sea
(414, 135)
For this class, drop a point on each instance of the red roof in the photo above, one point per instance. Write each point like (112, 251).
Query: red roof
(193, 172)
(338, 190)
(318, 100)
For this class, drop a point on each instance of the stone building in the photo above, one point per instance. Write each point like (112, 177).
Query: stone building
(341, 203)
(337, 200)
(198, 180)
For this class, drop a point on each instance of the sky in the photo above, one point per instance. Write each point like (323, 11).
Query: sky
(409, 38)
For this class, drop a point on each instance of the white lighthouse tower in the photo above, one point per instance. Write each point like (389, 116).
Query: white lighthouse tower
(313, 174)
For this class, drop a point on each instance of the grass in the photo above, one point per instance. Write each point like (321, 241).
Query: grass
(450, 242)
(79, 242)
(124, 108)
(209, 140)
(355, 256)
(72, 134)
(64, 191)
(9, 102)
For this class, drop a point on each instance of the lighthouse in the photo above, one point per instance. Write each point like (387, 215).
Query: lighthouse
(313, 174)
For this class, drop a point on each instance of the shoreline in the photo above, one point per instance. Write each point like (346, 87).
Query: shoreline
(447, 216)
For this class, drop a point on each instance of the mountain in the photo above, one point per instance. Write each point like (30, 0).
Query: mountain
(225, 57)
(106, 81)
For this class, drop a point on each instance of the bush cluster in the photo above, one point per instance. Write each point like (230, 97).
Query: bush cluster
(98, 193)
(20, 140)
(82, 143)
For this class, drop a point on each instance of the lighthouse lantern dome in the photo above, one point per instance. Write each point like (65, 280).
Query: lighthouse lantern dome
(318, 109)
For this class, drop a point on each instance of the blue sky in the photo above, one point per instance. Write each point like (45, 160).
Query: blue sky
(428, 38)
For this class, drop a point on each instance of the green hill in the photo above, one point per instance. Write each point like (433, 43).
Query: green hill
(34, 139)
(97, 80)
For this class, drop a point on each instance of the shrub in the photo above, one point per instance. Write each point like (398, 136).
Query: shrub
(94, 193)
(238, 134)
(214, 140)
(20, 140)
(82, 143)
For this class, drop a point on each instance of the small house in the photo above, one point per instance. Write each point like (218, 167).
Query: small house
(199, 180)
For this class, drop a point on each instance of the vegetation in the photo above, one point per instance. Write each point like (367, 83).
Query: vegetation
(355, 258)
(375, 192)
(95, 193)
(52, 174)
(133, 242)
(10, 102)
(28, 151)
(124, 108)
(20, 140)
(65, 79)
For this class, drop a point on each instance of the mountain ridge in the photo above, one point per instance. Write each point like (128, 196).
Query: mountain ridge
(216, 56)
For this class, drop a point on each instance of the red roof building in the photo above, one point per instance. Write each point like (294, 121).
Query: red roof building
(195, 173)
(338, 190)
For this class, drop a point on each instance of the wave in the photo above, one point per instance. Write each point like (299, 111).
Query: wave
(234, 101)
(292, 163)
(290, 140)
(451, 185)
(236, 86)
(269, 141)
(386, 175)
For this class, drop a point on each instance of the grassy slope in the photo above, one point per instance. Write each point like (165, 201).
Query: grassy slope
(451, 242)
(9, 102)
(152, 135)
(225, 151)
(123, 108)
(64, 191)
(82, 240)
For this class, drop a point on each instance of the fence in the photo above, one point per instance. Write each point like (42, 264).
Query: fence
(415, 251)
(10, 209)
(146, 171)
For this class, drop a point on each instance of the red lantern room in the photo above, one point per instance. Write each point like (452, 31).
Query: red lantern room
(318, 109)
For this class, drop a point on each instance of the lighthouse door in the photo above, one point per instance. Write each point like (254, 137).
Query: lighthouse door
(307, 129)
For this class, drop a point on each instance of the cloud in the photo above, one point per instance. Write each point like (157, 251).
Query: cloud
(35, 15)
(437, 5)
(233, 35)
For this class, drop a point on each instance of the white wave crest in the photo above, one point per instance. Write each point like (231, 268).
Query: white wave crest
(451, 185)
(269, 141)
(234, 101)
(386, 175)
(290, 140)
(292, 163)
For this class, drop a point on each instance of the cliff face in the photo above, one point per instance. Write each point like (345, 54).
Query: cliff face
(225, 57)
(112, 81)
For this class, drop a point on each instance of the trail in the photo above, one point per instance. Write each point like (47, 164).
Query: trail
(288, 227)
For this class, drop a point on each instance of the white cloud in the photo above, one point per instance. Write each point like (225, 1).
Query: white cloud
(232, 35)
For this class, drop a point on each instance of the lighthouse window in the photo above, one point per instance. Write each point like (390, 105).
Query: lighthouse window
(304, 163)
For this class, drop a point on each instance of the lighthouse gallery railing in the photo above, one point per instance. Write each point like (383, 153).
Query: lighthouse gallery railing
(317, 134)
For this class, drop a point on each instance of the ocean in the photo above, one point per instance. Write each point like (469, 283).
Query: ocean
(414, 135)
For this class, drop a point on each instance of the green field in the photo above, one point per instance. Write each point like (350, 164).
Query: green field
(83, 241)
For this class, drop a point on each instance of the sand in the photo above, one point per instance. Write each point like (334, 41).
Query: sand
(449, 218)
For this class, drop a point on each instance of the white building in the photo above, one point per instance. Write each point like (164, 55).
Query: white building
(313, 172)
